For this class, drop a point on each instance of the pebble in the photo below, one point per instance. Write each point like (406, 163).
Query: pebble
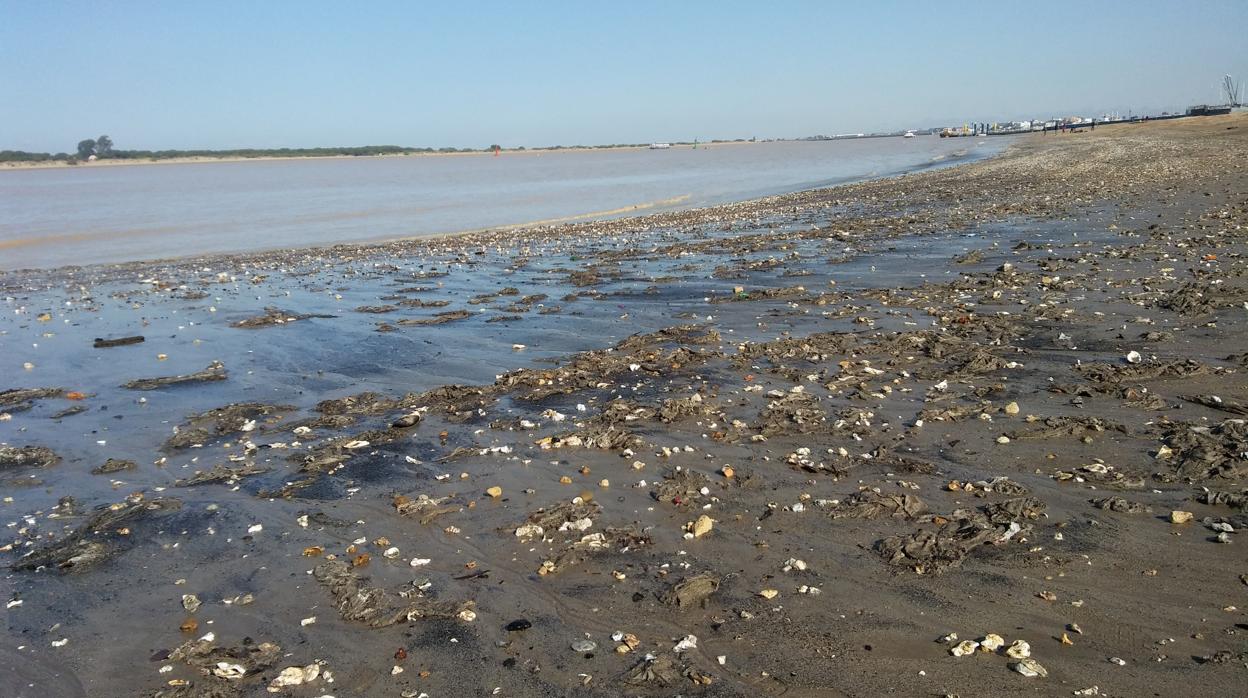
(1181, 517)
(1029, 667)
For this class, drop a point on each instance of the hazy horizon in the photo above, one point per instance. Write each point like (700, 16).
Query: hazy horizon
(233, 75)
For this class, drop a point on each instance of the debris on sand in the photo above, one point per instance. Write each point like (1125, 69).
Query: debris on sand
(214, 372)
(437, 319)
(112, 465)
(574, 515)
(870, 504)
(1218, 403)
(680, 486)
(101, 343)
(959, 534)
(1120, 505)
(276, 316)
(794, 413)
(27, 457)
(220, 473)
(692, 591)
(378, 608)
(664, 670)
(1118, 373)
(223, 421)
(424, 508)
(1201, 452)
(226, 672)
(1235, 500)
(97, 539)
(22, 399)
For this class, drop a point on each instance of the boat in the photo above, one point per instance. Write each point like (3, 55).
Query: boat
(908, 134)
(660, 146)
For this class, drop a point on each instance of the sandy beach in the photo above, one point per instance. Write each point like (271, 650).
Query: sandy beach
(972, 431)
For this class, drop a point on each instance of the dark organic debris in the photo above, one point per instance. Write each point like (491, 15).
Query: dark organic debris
(1218, 403)
(69, 412)
(18, 399)
(220, 473)
(681, 486)
(437, 319)
(27, 456)
(204, 656)
(101, 343)
(870, 504)
(692, 591)
(230, 419)
(113, 465)
(97, 539)
(214, 372)
(376, 607)
(1120, 505)
(663, 670)
(275, 316)
(1200, 452)
(1118, 373)
(424, 507)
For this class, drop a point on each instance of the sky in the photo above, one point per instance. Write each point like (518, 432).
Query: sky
(279, 73)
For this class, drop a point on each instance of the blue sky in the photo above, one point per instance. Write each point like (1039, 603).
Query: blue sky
(227, 74)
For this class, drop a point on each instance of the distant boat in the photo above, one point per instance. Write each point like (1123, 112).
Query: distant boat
(660, 146)
(908, 134)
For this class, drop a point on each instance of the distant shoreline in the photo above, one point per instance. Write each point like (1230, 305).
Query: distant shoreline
(62, 164)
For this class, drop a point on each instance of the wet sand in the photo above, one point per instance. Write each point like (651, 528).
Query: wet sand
(780, 447)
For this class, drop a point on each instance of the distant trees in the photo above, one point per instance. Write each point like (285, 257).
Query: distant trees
(103, 146)
(86, 148)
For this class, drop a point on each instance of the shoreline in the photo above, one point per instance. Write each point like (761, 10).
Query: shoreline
(61, 164)
(806, 445)
(569, 225)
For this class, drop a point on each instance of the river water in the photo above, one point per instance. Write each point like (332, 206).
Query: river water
(94, 214)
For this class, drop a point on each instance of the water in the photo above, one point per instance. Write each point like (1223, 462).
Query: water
(88, 215)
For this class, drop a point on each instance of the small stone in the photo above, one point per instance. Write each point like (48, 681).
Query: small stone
(702, 526)
(991, 642)
(964, 648)
(769, 593)
(1011, 409)
(1181, 517)
(1003, 439)
(495, 492)
(1021, 649)
(1029, 667)
(584, 646)
(191, 602)
(518, 625)
(1133, 357)
(529, 531)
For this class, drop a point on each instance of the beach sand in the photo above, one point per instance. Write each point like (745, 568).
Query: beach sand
(788, 446)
